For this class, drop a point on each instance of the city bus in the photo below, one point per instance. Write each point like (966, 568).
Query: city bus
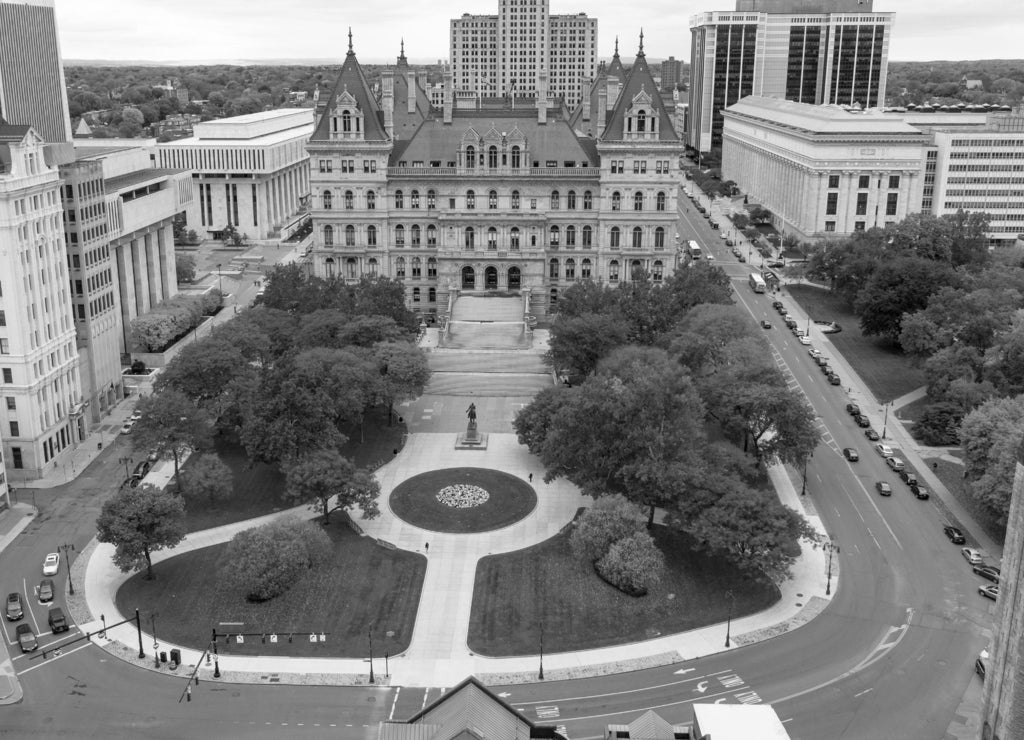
(694, 249)
(757, 283)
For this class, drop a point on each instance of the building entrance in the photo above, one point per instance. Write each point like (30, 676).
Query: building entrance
(468, 278)
(491, 278)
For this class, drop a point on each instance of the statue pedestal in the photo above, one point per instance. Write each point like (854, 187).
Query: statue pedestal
(471, 439)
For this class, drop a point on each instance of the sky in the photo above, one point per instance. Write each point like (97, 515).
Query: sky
(210, 30)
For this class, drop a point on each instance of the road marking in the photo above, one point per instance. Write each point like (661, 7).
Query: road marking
(730, 681)
(749, 697)
(47, 661)
(628, 691)
(684, 671)
(548, 712)
(394, 703)
(640, 710)
(424, 704)
(701, 687)
(861, 693)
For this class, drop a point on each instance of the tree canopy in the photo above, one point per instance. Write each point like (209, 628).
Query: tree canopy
(138, 522)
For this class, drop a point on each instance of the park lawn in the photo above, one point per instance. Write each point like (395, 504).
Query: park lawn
(886, 370)
(259, 487)
(366, 586)
(515, 592)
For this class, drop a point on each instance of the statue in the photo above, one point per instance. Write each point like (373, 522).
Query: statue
(471, 412)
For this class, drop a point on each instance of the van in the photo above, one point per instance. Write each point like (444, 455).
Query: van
(895, 463)
(57, 621)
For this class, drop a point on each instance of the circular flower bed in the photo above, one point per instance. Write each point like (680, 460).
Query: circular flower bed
(462, 500)
(462, 496)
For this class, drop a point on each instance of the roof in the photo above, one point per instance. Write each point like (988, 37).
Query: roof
(352, 80)
(257, 117)
(650, 726)
(639, 81)
(739, 721)
(13, 132)
(139, 177)
(405, 123)
(819, 119)
(614, 69)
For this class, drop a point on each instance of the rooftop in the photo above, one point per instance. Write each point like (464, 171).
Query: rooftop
(139, 177)
(818, 119)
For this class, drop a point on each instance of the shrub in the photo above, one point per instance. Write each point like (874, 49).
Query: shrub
(185, 265)
(610, 519)
(633, 564)
(940, 424)
(266, 561)
(172, 318)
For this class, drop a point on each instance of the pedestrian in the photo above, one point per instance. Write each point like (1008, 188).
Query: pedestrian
(188, 692)
(531, 477)
(935, 465)
(426, 547)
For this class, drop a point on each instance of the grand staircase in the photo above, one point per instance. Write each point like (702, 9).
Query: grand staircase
(486, 322)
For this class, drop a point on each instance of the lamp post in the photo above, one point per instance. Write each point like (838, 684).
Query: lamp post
(216, 656)
(156, 645)
(885, 422)
(369, 634)
(803, 488)
(540, 675)
(831, 547)
(64, 548)
(220, 279)
(728, 621)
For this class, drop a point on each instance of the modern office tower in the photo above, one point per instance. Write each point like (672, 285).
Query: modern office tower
(42, 410)
(671, 73)
(808, 51)
(32, 90)
(508, 195)
(250, 171)
(503, 55)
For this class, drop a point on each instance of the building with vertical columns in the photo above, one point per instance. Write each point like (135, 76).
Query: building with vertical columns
(41, 414)
(809, 51)
(32, 89)
(507, 196)
(249, 172)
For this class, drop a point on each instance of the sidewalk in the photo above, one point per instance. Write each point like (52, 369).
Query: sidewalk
(12, 523)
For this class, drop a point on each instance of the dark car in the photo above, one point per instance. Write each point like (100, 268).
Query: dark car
(907, 477)
(776, 264)
(871, 434)
(701, 209)
(852, 409)
(713, 224)
(988, 572)
(920, 491)
(884, 488)
(46, 590)
(57, 621)
(14, 610)
(141, 469)
(833, 379)
(730, 243)
(791, 323)
(777, 305)
(26, 638)
(851, 454)
(955, 535)
(821, 360)
(862, 421)
(766, 324)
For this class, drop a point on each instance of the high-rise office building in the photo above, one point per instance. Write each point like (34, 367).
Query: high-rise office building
(502, 55)
(32, 90)
(808, 51)
(671, 73)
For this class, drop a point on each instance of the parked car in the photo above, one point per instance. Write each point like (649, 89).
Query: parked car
(988, 572)
(980, 662)
(804, 340)
(46, 590)
(954, 534)
(884, 489)
(766, 324)
(57, 621)
(14, 610)
(723, 236)
(709, 256)
(971, 555)
(895, 463)
(136, 415)
(834, 379)
(740, 258)
(729, 242)
(862, 421)
(127, 427)
(920, 491)
(51, 564)
(853, 409)
(814, 351)
(871, 434)
(821, 360)
(713, 224)
(776, 264)
(851, 454)
(790, 322)
(989, 592)
(884, 450)
(26, 638)
(777, 305)
(141, 469)
(907, 477)
(826, 369)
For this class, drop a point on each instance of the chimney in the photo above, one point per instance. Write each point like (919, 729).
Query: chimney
(448, 102)
(585, 100)
(410, 78)
(602, 109)
(542, 96)
(387, 81)
(613, 91)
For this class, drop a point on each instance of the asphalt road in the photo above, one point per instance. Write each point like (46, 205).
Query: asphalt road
(890, 657)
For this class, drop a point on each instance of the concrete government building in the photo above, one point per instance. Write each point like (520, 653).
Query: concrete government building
(500, 196)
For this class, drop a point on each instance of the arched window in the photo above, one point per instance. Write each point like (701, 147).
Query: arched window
(431, 199)
(371, 200)
(328, 236)
(636, 270)
(470, 157)
(399, 199)
(554, 200)
(570, 200)
(431, 268)
(553, 269)
(514, 237)
(616, 201)
(660, 201)
(554, 237)
(329, 267)
(371, 236)
(328, 200)
(570, 269)
(351, 267)
(414, 235)
(417, 269)
(492, 157)
(372, 266)
(350, 236)
(641, 121)
(613, 271)
(431, 235)
(415, 295)
(400, 267)
(349, 201)
(470, 199)
(399, 236)
(554, 296)
(414, 198)
(516, 158)
(657, 271)
(659, 238)
(432, 295)
(492, 199)
(585, 267)
(638, 201)
(346, 121)
(570, 236)
(588, 200)
(469, 237)
(614, 237)
(515, 200)
(492, 238)
(588, 236)
(638, 237)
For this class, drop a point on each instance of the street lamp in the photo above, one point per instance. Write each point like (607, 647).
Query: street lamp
(728, 621)
(541, 674)
(156, 645)
(369, 634)
(803, 489)
(885, 422)
(64, 548)
(220, 279)
(831, 547)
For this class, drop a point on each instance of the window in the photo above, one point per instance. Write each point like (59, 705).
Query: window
(415, 295)
(470, 157)
(638, 201)
(371, 236)
(8, 375)
(833, 181)
(492, 238)
(570, 200)
(3, 318)
(492, 199)
(554, 236)
(831, 204)
(399, 236)
(554, 200)
(372, 266)
(864, 181)
(570, 236)
(858, 226)
(515, 200)
(615, 237)
(431, 268)
(862, 204)
(432, 295)
(660, 201)
(399, 199)
(415, 235)
(469, 237)
(12, 404)
(830, 226)
(616, 201)
(348, 200)
(492, 157)
(552, 271)
(570, 269)
(16, 457)
(585, 269)
(554, 296)
(400, 267)
(414, 199)
(891, 203)
(516, 158)
(328, 236)
(613, 271)
(371, 200)
(350, 267)
(659, 238)
(638, 237)
(327, 200)
(431, 199)
(514, 238)
(417, 268)
(894, 182)
(431, 236)
(588, 236)
(15, 429)
(470, 199)
(657, 271)
(588, 200)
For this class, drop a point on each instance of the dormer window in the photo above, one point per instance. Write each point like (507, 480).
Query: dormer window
(641, 117)
(346, 117)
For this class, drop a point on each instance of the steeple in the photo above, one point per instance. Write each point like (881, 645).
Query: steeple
(640, 53)
(616, 54)
(402, 61)
(350, 52)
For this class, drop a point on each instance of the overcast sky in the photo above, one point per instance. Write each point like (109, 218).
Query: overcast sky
(201, 30)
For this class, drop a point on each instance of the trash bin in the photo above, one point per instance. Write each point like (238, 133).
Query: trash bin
(99, 445)
(175, 658)
(163, 656)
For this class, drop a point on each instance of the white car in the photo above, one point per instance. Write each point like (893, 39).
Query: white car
(972, 556)
(52, 564)
(127, 428)
(136, 415)
(805, 339)
(814, 352)
(710, 256)
(884, 450)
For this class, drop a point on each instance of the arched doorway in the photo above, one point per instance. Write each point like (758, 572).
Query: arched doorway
(515, 279)
(468, 278)
(491, 278)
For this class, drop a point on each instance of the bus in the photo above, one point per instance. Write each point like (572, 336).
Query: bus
(757, 283)
(694, 249)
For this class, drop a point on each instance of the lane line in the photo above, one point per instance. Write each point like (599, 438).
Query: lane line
(47, 661)
(640, 710)
(627, 691)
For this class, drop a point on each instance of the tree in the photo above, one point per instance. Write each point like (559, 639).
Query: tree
(609, 520)
(701, 283)
(206, 476)
(587, 297)
(318, 476)
(138, 522)
(404, 372)
(170, 423)
(632, 564)
(904, 286)
(703, 334)
(940, 423)
(153, 331)
(203, 370)
(992, 436)
(578, 342)
(533, 421)
(185, 266)
(266, 561)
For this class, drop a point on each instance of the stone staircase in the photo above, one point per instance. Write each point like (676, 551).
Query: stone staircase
(486, 322)
(488, 308)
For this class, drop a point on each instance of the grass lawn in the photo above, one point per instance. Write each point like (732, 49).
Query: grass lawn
(885, 369)
(952, 476)
(514, 591)
(258, 487)
(510, 499)
(366, 584)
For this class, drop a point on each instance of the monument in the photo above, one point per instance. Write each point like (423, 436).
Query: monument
(471, 439)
